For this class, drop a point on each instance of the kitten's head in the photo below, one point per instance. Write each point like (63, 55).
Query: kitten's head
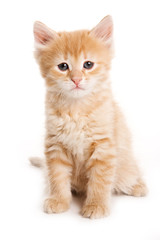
(74, 64)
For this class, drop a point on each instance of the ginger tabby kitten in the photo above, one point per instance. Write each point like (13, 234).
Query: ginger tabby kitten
(87, 144)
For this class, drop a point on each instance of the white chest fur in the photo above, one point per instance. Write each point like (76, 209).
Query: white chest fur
(72, 132)
(76, 132)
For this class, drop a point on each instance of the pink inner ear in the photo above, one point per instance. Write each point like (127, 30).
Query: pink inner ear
(42, 37)
(104, 32)
(109, 33)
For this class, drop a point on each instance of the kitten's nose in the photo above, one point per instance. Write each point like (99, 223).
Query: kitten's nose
(76, 80)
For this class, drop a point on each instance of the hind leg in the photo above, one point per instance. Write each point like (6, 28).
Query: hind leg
(129, 181)
(139, 189)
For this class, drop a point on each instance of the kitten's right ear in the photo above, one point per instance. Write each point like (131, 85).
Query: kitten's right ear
(42, 34)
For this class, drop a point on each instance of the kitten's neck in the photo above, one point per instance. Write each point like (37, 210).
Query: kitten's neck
(81, 106)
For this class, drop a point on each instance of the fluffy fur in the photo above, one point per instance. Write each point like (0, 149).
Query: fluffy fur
(87, 144)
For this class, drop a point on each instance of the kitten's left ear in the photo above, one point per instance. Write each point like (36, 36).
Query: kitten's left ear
(104, 30)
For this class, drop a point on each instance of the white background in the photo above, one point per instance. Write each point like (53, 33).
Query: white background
(136, 83)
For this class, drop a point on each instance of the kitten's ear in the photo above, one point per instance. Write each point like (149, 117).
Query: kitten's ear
(104, 30)
(42, 34)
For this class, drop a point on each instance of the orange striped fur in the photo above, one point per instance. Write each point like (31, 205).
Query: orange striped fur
(87, 145)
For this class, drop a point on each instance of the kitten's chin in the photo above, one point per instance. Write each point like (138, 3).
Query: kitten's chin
(77, 93)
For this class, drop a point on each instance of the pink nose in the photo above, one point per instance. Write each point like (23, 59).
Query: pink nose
(76, 80)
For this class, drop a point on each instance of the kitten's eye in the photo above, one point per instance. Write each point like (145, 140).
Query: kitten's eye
(63, 66)
(88, 65)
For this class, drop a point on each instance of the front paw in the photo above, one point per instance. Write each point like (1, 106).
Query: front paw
(95, 210)
(52, 205)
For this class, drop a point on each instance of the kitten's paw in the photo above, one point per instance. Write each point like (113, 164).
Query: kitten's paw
(139, 189)
(94, 210)
(52, 205)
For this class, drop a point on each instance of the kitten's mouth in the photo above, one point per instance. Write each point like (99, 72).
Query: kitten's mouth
(78, 88)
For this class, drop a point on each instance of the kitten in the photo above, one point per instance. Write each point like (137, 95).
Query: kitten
(87, 144)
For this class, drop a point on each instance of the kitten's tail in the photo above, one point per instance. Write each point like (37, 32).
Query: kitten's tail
(37, 162)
